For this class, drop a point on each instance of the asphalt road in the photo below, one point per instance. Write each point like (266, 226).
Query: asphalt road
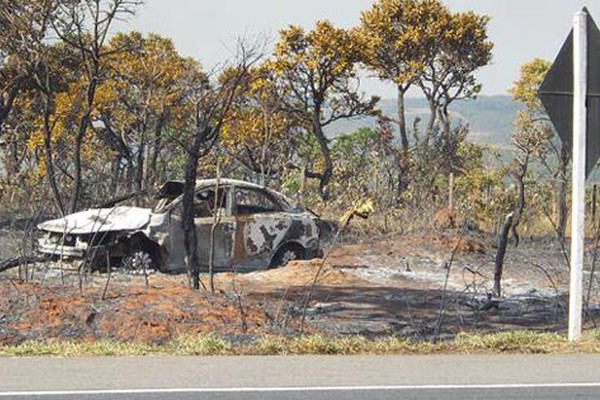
(307, 377)
(424, 393)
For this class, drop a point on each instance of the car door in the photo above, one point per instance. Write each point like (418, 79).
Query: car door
(215, 229)
(261, 226)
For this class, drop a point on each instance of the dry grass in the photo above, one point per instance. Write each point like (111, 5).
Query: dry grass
(210, 344)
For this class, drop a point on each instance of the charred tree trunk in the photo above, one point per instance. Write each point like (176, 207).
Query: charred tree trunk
(190, 240)
(202, 142)
(211, 109)
(499, 263)
(83, 126)
(402, 179)
(594, 200)
(213, 229)
(520, 177)
(519, 210)
(402, 118)
(3, 114)
(152, 170)
(6, 103)
(403, 167)
(431, 123)
(444, 115)
(19, 261)
(76, 174)
(116, 173)
(324, 176)
(49, 159)
(139, 170)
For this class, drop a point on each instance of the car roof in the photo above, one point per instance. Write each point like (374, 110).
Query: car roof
(177, 185)
(175, 188)
(208, 183)
(227, 182)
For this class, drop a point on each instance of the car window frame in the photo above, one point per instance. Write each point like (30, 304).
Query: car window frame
(263, 191)
(176, 205)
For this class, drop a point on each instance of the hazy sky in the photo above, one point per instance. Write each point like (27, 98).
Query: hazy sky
(207, 29)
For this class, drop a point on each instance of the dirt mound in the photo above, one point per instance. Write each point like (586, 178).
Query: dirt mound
(297, 274)
(158, 313)
(462, 244)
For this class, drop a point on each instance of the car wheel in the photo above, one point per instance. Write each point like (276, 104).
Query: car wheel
(139, 262)
(285, 255)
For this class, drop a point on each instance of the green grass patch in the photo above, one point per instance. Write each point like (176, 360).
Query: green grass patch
(211, 344)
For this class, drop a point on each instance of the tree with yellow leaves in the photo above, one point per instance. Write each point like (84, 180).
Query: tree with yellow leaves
(141, 100)
(316, 72)
(257, 134)
(396, 37)
(525, 89)
(22, 24)
(457, 46)
(41, 69)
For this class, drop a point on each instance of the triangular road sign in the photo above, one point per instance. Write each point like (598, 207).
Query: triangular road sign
(556, 93)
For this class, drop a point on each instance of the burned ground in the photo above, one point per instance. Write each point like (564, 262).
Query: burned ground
(406, 285)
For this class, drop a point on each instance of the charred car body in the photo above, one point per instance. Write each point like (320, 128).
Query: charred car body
(251, 227)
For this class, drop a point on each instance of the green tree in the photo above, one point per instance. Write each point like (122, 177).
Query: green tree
(535, 136)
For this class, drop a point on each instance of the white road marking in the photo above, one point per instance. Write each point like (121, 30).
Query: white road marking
(299, 389)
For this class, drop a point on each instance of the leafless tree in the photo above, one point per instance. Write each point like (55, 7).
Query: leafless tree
(85, 26)
(531, 141)
(211, 102)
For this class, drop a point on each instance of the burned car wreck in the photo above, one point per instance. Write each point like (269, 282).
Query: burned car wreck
(252, 228)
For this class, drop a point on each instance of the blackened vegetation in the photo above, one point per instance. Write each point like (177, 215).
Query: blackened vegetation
(19, 261)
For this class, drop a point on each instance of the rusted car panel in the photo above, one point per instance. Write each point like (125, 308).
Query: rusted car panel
(260, 236)
(173, 246)
(252, 227)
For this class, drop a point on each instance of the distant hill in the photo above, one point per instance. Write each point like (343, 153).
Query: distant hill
(490, 118)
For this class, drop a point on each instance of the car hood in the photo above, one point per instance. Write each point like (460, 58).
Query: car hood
(100, 220)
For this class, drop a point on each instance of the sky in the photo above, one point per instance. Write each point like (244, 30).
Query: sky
(207, 29)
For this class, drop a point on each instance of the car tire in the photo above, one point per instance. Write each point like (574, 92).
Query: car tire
(139, 262)
(286, 254)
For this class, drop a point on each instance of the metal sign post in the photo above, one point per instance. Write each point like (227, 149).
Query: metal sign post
(579, 172)
(571, 95)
